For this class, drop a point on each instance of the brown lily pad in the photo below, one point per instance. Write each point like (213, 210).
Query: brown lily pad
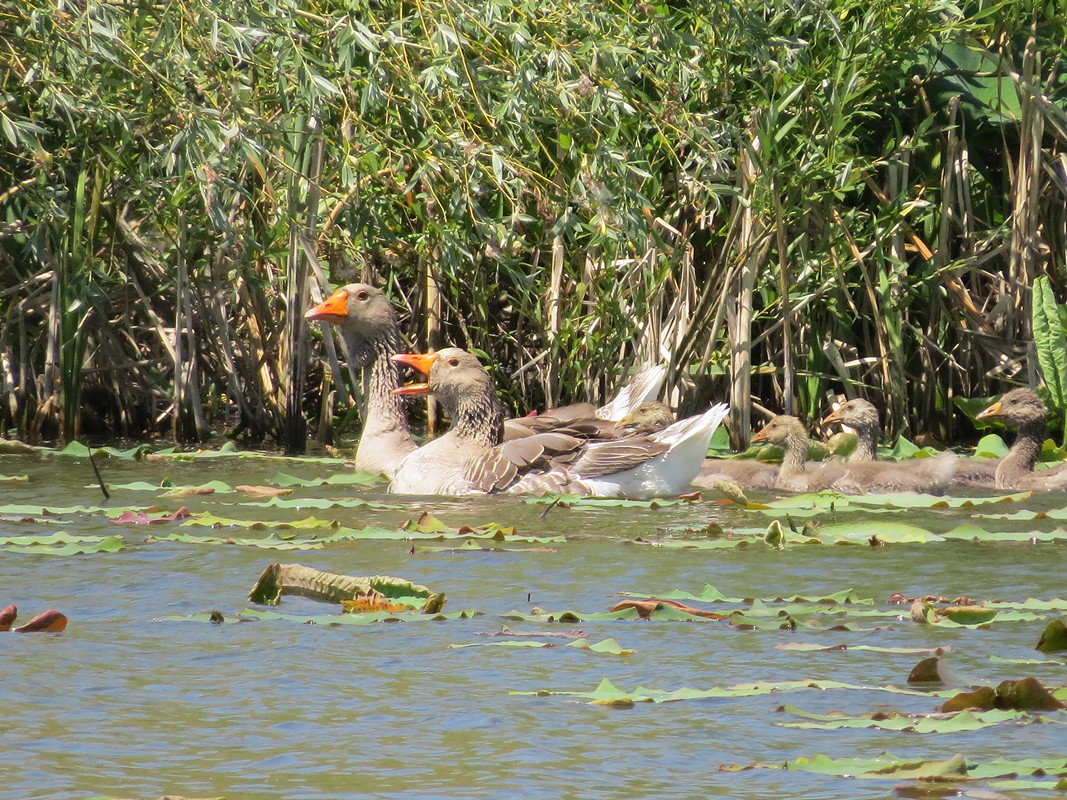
(983, 698)
(141, 518)
(645, 608)
(261, 491)
(50, 621)
(1027, 694)
(932, 670)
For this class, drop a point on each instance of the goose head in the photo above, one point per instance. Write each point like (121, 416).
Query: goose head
(856, 413)
(358, 307)
(780, 430)
(1019, 408)
(451, 374)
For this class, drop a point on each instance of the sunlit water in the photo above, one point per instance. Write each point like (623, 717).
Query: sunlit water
(125, 705)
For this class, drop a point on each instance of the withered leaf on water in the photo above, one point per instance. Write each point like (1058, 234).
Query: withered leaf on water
(1027, 694)
(645, 608)
(141, 518)
(50, 621)
(261, 491)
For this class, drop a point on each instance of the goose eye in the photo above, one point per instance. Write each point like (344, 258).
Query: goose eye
(453, 362)
(362, 295)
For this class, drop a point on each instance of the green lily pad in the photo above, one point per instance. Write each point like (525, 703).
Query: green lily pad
(812, 647)
(607, 693)
(577, 501)
(320, 503)
(609, 646)
(61, 544)
(267, 542)
(955, 722)
(709, 594)
(340, 479)
(210, 520)
(143, 486)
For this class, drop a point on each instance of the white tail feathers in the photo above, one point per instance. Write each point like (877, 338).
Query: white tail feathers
(642, 387)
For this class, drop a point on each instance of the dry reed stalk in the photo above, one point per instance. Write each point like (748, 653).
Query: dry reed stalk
(739, 308)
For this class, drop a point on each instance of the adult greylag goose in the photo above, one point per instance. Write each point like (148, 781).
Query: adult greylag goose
(473, 458)
(369, 327)
(1025, 411)
(862, 417)
(919, 475)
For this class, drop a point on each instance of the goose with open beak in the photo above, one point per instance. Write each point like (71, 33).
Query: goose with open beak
(473, 458)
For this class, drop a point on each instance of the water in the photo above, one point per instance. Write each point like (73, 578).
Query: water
(125, 705)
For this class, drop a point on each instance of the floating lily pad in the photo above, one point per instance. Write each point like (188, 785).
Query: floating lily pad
(959, 767)
(266, 542)
(914, 723)
(812, 647)
(607, 693)
(320, 503)
(166, 486)
(709, 594)
(577, 501)
(609, 646)
(340, 479)
(61, 544)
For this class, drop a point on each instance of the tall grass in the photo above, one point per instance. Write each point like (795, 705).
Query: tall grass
(783, 200)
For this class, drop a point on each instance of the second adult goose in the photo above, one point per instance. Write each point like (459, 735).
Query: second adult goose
(1025, 411)
(473, 458)
(920, 475)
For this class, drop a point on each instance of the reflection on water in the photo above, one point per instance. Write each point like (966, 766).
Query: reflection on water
(126, 706)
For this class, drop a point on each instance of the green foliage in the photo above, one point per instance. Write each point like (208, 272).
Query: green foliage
(566, 174)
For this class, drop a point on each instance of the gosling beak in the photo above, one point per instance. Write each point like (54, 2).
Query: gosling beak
(333, 309)
(989, 413)
(760, 435)
(420, 361)
(833, 416)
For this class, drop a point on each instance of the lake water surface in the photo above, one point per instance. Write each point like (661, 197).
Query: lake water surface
(127, 704)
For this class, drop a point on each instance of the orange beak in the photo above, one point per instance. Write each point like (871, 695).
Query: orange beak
(420, 361)
(333, 309)
(833, 416)
(760, 435)
(992, 411)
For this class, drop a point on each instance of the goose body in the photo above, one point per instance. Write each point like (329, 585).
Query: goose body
(930, 475)
(369, 328)
(1024, 410)
(862, 417)
(473, 458)
(746, 473)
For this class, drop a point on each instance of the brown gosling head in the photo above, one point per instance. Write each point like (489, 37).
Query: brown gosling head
(648, 417)
(856, 413)
(1018, 408)
(780, 429)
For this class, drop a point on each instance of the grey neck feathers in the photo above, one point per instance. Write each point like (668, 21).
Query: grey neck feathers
(1023, 455)
(866, 436)
(479, 418)
(382, 409)
(796, 453)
